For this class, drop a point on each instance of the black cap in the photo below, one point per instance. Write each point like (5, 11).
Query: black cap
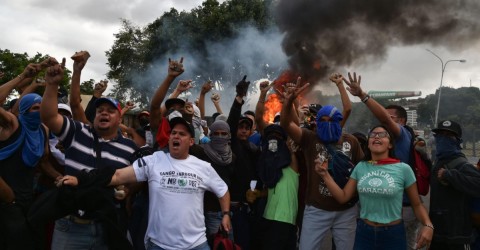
(179, 120)
(450, 126)
(246, 120)
(314, 108)
(172, 101)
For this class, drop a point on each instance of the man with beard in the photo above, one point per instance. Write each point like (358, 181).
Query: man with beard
(322, 212)
(86, 148)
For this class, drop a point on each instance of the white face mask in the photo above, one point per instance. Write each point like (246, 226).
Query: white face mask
(273, 145)
(174, 114)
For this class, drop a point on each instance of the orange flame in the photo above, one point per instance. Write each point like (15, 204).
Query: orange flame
(272, 106)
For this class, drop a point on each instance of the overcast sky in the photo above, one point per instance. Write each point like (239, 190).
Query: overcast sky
(59, 28)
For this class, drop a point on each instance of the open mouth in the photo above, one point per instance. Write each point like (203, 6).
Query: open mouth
(176, 144)
(104, 120)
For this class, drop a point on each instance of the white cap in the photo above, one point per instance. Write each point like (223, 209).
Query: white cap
(65, 107)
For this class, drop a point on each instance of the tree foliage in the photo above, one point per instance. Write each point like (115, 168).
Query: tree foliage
(12, 64)
(137, 50)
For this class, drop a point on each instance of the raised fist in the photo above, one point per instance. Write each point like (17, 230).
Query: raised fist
(215, 97)
(80, 56)
(242, 87)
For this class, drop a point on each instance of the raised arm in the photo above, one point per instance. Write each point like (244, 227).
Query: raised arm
(236, 109)
(216, 102)
(49, 107)
(378, 110)
(206, 87)
(174, 69)
(288, 115)
(28, 73)
(347, 104)
(79, 61)
(260, 108)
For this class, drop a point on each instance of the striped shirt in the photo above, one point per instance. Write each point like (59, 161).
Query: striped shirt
(79, 142)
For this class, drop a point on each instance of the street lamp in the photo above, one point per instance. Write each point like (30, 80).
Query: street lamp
(441, 81)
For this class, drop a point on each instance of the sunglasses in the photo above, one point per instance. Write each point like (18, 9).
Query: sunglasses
(382, 134)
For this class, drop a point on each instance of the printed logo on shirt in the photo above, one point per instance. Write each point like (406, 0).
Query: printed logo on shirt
(377, 182)
(180, 182)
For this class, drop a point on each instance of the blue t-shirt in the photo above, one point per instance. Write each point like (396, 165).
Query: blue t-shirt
(380, 189)
(402, 145)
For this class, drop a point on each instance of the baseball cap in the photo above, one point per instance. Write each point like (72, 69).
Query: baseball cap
(246, 120)
(179, 120)
(109, 100)
(143, 113)
(314, 108)
(65, 107)
(448, 125)
(172, 101)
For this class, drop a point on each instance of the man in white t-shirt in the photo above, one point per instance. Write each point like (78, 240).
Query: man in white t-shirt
(177, 182)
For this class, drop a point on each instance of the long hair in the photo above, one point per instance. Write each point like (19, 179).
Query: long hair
(391, 151)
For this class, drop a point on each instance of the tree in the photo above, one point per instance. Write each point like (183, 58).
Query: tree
(86, 87)
(13, 64)
(137, 52)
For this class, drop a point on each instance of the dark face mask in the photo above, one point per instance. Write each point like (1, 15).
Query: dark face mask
(144, 122)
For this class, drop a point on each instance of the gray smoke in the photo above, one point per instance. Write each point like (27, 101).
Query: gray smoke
(257, 54)
(336, 33)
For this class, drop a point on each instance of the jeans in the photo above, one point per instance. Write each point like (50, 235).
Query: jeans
(380, 237)
(213, 220)
(153, 246)
(317, 223)
(72, 236)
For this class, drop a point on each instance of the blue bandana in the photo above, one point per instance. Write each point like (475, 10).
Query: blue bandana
(31, 135)
(447, 147)
(329, 131)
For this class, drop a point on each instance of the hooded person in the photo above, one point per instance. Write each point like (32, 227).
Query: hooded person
(221, 157)
(31, 137)
(328, 124)
(20, 154)
(219, 150)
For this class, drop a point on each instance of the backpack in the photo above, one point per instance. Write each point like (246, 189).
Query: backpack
(420, 164)
(340, 165)
(222, 242)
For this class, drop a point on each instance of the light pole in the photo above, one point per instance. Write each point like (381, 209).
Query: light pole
(441, 81)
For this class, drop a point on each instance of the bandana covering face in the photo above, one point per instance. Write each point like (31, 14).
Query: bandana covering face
(219, 150)
(329, 131)
(31, 135)
(447, 147)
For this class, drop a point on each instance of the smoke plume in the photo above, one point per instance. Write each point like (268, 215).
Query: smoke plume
(335, 33)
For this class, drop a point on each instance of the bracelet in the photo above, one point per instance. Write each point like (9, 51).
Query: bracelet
(226, 213)
(430, 226)
(365, 99)
(21, 76)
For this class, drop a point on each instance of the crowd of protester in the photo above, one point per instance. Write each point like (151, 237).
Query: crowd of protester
(75, 178)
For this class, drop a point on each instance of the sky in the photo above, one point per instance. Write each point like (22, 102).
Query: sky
(60, 28)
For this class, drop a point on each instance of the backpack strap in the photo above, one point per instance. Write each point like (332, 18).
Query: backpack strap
(459, 161)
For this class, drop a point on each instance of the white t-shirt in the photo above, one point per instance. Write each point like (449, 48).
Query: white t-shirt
(176, 189)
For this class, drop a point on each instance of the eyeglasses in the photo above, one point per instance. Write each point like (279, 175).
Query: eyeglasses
(218, 133)
(382, 134)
